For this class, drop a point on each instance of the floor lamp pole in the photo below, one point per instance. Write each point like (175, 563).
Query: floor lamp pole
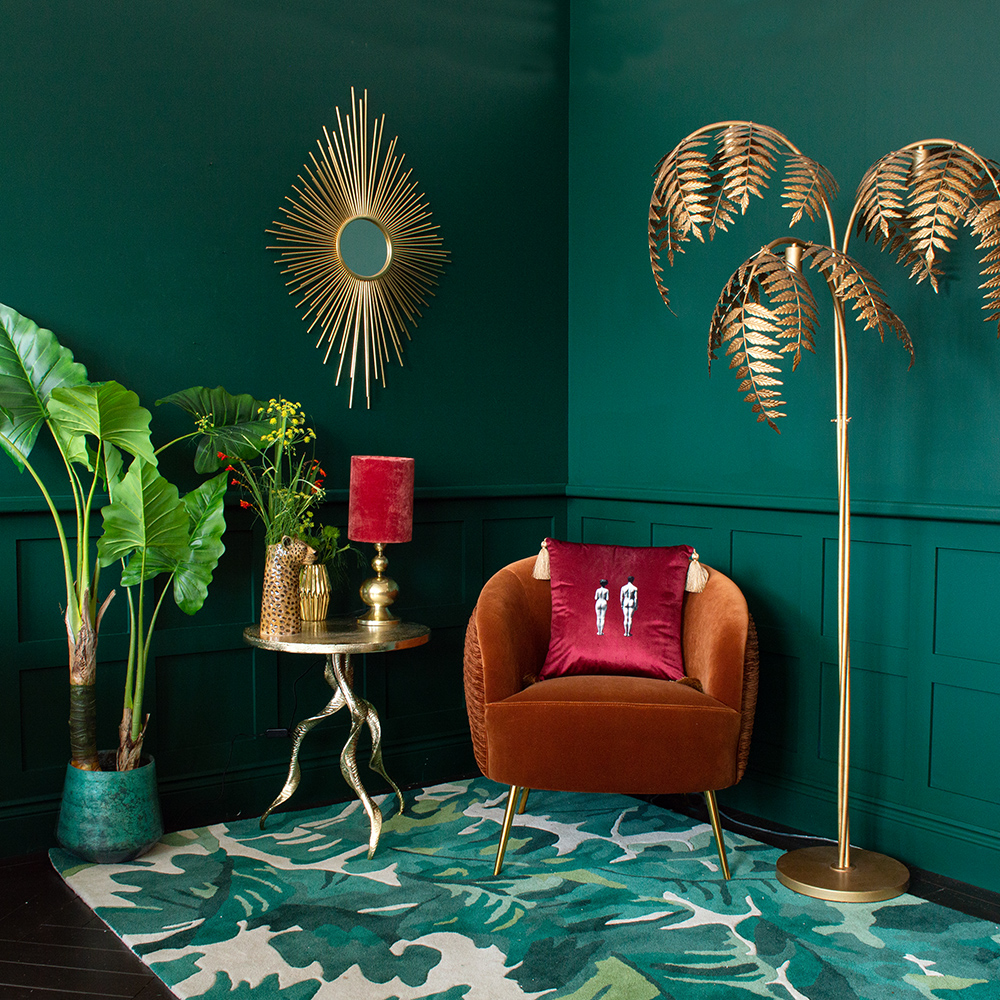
(829, 872)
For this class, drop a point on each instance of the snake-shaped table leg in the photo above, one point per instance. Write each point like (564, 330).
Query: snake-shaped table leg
(362, 711)
(335, 704)
(339, 674)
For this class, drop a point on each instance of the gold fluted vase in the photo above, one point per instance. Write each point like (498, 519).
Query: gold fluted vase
(314, 592)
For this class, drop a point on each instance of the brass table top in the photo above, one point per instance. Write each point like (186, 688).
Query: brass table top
(342, 635)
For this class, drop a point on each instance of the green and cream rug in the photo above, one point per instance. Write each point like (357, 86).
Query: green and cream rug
(602, 897)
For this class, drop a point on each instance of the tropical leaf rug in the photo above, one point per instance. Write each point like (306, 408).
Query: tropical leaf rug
(601, 897)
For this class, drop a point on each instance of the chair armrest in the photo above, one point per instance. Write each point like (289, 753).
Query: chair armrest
(720, 649)
(505, 644)
(513, 618)
(714, 635)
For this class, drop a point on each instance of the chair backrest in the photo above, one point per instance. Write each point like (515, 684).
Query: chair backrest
(509, 629)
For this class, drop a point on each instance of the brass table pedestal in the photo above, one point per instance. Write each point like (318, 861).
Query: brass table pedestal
(337, 639)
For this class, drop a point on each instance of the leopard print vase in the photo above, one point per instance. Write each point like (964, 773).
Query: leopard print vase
(279, 607)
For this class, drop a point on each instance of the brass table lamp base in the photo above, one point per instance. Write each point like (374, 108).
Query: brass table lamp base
(870, 877)
(378, 592)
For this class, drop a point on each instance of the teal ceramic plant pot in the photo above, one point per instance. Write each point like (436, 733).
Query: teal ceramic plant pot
(110, 816)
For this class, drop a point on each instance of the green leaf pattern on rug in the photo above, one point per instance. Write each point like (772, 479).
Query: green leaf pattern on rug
(601, 896)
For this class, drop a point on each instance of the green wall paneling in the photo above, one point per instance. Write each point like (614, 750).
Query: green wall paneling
(212, 697)
(925, 751)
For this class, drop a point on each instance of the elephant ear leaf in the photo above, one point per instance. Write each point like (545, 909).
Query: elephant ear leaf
(104, 410)
(229, 424)
(206, 522)
(32, 364)
(147, 522)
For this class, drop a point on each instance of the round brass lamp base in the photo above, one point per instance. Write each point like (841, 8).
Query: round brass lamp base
(871, 877)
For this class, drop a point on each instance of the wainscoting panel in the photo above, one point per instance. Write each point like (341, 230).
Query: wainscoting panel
(503, 536)
(962, 599)
(880, 592)
(771, 566)
(219, 708)
(961, 761)
(608, 531)
(878, 723)
(711, 544)
(925, 744)
(778, 722)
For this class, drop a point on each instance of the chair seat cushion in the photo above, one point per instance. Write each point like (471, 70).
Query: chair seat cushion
(600, 733)
(616, 609)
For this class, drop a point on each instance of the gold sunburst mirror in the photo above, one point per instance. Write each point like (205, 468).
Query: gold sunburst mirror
(359, 245)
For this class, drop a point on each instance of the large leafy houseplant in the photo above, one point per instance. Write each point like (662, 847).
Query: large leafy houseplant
(146, 524)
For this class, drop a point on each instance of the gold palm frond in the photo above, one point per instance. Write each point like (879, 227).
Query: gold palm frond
(752, 330)
(677, 207)
(881, 207)
(986, 225)
(913, 200)
(940, 195)
(808, 186)
(745, 158)
(693, 194)
(850, 282)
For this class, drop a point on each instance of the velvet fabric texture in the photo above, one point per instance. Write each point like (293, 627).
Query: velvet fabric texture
(616, 610)
(380, 508)
(609, 733)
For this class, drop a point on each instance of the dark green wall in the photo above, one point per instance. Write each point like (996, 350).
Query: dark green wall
(658, 452)
(144, 150)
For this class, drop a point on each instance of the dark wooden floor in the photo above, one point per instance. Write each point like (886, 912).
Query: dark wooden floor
(53, 947)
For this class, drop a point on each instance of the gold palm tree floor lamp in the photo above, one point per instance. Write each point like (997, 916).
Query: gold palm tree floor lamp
(911, 201)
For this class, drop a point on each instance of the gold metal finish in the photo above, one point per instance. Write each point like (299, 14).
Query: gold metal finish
(352, 180)
(378, 592)
(910, 201)
(524, 801)
(517, 799)
(817, 872)
(314, 592)
(337, 640)
(508, 819)
(720, 843)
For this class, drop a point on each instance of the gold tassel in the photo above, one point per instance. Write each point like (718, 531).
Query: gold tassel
(697, 575)
(542, 570)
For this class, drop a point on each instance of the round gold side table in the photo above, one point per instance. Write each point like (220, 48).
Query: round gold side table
(337, 639)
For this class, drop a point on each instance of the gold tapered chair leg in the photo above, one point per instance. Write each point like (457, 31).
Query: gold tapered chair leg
(523, 802)
(713, 813)
(508, 818)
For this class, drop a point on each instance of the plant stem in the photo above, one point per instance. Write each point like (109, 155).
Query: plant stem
(183, 437)
(142, 660)
(63, 544)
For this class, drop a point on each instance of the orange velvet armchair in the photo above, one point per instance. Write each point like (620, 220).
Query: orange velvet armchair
(594, 733)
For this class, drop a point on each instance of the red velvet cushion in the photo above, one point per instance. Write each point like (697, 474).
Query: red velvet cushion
(651, 645)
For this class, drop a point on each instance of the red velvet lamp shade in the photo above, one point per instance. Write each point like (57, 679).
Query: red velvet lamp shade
(380, 508)
(380, 511)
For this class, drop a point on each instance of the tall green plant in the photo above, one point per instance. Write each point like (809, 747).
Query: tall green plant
(154, 530)
(41, 385)
(147, 524)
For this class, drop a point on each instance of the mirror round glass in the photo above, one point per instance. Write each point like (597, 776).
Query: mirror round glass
(363, 248)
